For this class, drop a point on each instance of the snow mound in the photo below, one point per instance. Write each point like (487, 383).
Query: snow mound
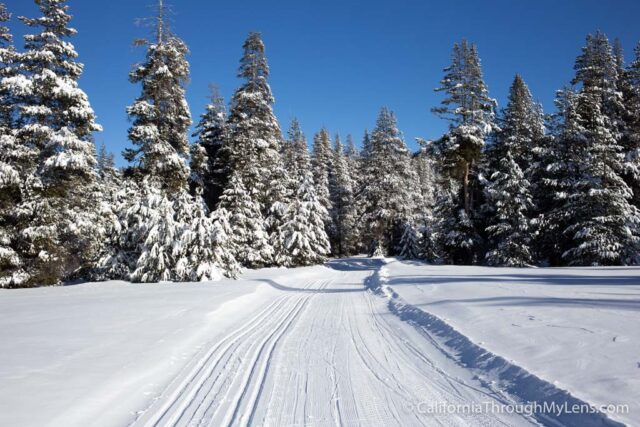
(493, 371)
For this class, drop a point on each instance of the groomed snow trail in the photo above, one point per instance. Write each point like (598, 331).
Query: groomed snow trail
(324, 351)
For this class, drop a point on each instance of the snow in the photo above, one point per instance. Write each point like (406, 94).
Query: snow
(301, 346)
(576, 328)
(95, 353)
(317, 345)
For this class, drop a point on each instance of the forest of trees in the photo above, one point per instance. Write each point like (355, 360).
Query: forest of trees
(509, 187)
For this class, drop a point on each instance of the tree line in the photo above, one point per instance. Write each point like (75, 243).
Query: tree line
(509, 188)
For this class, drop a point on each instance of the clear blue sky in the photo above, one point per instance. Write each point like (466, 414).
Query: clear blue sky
(334, 63)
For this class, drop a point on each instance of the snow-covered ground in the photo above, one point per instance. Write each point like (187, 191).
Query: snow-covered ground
(313, 346)
(576, 328)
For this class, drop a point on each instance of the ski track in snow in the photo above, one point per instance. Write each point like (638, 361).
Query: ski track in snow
(322, 353)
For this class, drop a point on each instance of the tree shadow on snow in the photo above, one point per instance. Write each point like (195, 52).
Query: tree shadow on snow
(554, 279)
(613, 304)
(355, 264)
(281, 287)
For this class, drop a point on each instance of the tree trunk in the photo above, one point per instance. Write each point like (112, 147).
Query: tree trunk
(465, 189)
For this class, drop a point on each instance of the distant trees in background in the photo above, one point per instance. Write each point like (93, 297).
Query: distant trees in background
(513, 187)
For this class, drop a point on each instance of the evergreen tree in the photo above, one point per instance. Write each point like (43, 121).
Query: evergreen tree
(254, 132)
(631, 140)
(353, 159)
(342, 202)
(54, 153)
(602, 224)
(105, 163)
(119, 212)
(556, 172)
(303, 235)
(470, 111)
(454, 236)
(12, 161)
(508, 192)
(160, 115)
(154, 229)
(295, 155)
(211, 133)
(362, 237)
(203, 249)
(322, 165)
(199, 167)
(424, 166)
(509, 230)
(388, 178)
(366, 145)
(410, 243)
(350, 149)
(159, 236)
(250, 238)
(254, 147)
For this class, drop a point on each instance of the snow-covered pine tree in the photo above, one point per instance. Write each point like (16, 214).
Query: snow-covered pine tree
(521, 126)
(508, 200)
(107, 194)
(106, 164)
(224, 248)
(162, 236)
(211, 133)
(8, 68)
(12, 162)
(631, 140)
(254, 143)
(470, 111)
(119, 213)
(203, 249)
(295, 161)
(410, 246)
(510, 230)
(361, 236)
(166, 233)
(295, 155)
(322, 165)
(343, 214)
(61, 119)
(152, 225)
(199, 168)
(454, 236)
(53, 137)
(603, 221)
(302, 234)
(353, 159)
(366, 145)
(350, 149)
(160, 115)
(254, 132)
(280, 196)
(424, 166)
(250, 239)
(386, 196)
(555, 172)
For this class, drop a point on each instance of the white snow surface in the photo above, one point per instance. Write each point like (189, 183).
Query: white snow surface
(576, 328)
(314, 346)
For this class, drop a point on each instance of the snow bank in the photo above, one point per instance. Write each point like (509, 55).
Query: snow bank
(106, 348)
(556, 335)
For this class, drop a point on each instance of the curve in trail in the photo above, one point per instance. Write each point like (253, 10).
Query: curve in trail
(328, 353)
(193, 381)
(199, 394)
(348, 361)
